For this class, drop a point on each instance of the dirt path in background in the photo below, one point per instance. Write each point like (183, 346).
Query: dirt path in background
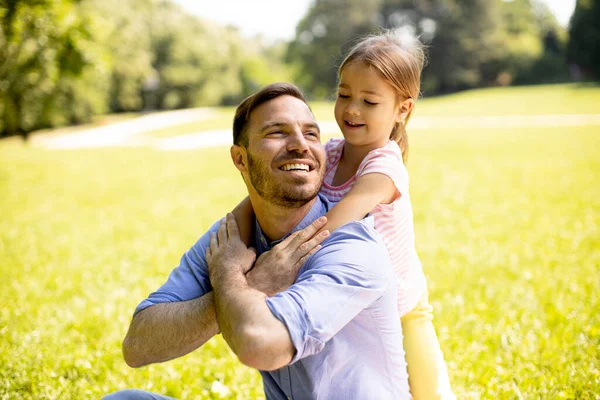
(125, 133)
(130, 132)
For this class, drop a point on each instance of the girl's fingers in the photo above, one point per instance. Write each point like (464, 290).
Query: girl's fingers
(222, 232)
(232, 227)
(303, 259)
(214, 243)
(307, 233)
(286, 242)
(309, 247)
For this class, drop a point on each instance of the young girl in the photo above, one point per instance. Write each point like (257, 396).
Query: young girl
(379, 82)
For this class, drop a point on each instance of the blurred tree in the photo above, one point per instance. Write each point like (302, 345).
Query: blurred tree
(63, 61)
(197, 62)
(533, 45)
(165, 58)
(324, 35)
(463, 35)
(126, 40)
(472, 43)
(583, 48)
(44, 46)
(260, 64)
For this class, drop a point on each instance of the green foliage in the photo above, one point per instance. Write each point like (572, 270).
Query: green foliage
(584, 37)
(507, 226)
(61, 61)
(323, 36)
(472, 43)
(127, 43)
(45, 46)
(260, 66)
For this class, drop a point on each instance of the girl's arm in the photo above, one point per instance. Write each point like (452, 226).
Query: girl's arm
(368, 191)
(244, 216)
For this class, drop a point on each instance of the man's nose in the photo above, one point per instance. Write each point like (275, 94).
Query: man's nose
(297, 142)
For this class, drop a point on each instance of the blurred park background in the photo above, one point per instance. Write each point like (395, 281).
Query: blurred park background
(115, 120)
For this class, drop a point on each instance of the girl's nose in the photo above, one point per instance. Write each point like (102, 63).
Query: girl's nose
(352, 109)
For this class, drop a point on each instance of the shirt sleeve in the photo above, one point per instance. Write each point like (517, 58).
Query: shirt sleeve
(387, 161)
(333, 149)
(188, 280)
(347, 275)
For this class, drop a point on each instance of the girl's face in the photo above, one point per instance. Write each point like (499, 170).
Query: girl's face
(366, 109)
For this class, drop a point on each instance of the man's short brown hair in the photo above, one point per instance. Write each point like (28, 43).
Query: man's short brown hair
(269, 92)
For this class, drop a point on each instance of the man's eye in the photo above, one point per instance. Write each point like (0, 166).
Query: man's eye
(275, 133)
(370, 103)
(311, 133)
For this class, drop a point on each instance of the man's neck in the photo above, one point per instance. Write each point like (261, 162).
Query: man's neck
(276, 221)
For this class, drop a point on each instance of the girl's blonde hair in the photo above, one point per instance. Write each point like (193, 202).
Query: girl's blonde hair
(399, 59)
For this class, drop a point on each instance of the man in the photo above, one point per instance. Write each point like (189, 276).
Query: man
(329, 330)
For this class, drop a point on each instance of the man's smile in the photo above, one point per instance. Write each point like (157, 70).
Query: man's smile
(295, 167)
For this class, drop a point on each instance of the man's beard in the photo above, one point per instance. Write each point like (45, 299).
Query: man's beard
(287, 195)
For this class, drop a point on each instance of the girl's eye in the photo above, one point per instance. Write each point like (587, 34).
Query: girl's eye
(343, 96)
(370, 103)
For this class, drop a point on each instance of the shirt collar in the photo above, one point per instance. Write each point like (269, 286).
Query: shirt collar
(320, 207)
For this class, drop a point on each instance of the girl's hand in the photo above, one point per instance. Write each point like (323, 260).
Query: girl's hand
(227, 253)
(277, 269)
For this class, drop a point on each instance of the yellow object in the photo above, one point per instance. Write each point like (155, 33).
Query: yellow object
(427, 372)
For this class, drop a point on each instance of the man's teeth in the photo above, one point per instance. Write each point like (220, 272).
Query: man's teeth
(289, 167)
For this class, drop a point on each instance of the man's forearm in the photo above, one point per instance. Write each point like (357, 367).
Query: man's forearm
(254, 334)
(169, 330)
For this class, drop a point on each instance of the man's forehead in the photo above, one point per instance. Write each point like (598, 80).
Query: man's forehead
(282, 110)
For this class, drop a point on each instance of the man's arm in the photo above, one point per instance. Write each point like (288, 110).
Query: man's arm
(258, 338)
(178, 317)
(166, 331)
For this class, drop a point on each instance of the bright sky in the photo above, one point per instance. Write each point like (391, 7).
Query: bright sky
(277, 19)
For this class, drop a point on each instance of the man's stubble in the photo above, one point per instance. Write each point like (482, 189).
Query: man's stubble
(286, 195)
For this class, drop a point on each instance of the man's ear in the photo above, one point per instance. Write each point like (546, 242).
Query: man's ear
(404, 109)
(238, 156)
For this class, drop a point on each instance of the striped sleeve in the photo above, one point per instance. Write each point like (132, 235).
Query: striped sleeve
(333, 151)
(388, 161)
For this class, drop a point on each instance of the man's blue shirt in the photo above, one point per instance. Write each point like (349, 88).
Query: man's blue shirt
(341, 314)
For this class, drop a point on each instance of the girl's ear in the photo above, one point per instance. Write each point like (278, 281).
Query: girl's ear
(238, 156)
(404, 109)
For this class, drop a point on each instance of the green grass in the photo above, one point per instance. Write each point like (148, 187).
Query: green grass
(507, 225)
(518, 100)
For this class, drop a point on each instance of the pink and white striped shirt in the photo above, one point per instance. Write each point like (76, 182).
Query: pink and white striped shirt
(393, 221)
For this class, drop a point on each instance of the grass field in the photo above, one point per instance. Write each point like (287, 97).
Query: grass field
(508, 229)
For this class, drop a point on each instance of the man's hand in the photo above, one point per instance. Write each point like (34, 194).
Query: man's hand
(277, 269)
(227, 253)
(255, 335)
